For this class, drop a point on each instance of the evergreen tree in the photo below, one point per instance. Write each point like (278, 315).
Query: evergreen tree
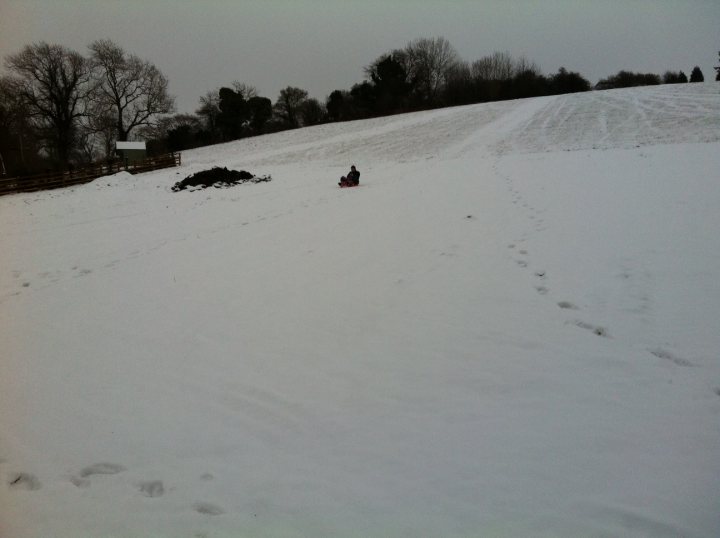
(696, 75)
(233, 114)
(390, 80)
(260, 112)
(335, 104)
(568, 82)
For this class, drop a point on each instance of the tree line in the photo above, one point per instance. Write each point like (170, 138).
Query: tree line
(59, 108)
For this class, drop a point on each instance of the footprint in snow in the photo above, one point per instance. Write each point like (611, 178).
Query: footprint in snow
(24, 481)
(102, 468)
(662, 354)
(80, 482)
(154, 488)
(208, 509)
(597, 330)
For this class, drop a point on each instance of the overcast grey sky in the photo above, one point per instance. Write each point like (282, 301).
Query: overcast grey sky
(323, 45)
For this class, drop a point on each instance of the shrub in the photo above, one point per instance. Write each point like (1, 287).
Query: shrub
(627, 79)
(674, 78)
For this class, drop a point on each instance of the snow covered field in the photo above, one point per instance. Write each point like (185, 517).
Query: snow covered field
(510, 329)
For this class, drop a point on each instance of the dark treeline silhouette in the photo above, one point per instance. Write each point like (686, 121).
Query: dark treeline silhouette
(627, 79)
(426, 74)
(114, 96)
(224, 114)
(674, 78)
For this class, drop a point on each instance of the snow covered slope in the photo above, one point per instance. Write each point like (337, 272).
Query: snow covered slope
(509, 329)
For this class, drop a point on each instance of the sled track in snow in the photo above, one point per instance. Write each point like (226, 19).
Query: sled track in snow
(624, 118)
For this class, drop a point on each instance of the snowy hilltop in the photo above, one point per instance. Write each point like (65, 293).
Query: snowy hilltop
(509, 329)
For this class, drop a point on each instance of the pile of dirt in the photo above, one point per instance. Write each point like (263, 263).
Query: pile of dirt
(219, 178)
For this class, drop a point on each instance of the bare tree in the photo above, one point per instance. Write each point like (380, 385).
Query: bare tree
(53, 82)
(289, 104)
(499, 66)
(17, 137)
(133, 89)
(87, 149)
(312, 112)
(210, 110)
(523, 65)
(101, 128)
(428, 63)
(246, 91)
(459, 84)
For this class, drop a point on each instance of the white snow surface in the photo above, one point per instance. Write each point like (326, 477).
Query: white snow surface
(509, 329)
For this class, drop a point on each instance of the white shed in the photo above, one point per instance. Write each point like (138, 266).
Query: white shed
(131, 151)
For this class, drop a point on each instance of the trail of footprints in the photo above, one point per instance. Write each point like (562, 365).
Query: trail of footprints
(46, 278)
(540, 287)
(41, 280)
(520, 258)
(598, 330)
(522, 261)
(149, 488)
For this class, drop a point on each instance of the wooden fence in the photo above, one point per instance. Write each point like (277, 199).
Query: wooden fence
(85, 174)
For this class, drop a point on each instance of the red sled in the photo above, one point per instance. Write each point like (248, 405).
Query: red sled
(347, 185)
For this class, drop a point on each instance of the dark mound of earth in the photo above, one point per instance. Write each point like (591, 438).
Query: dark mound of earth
(219, 178)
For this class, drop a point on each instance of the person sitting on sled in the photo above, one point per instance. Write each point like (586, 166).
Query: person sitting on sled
(352, 179)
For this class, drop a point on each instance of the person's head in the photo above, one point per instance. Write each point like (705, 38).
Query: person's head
(352, 168)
